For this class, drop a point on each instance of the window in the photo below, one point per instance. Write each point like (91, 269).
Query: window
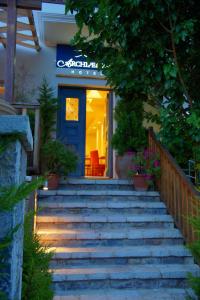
(72, 109)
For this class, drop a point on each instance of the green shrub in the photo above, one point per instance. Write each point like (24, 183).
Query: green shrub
(36, 276)
(130, 134)
(48, 111)
(58, 158)
(9, 197)
(180, 133)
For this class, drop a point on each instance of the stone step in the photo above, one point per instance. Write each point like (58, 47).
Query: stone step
(125, 294)
(65, 256)
(99, 195)
(97, 187)
(87, 181)
(51, 203)
(99, 221)
(112, 276)
(103, 207)
(79, 184)
(63, 218)
(104, 226)
(81, 237)
(65, 192)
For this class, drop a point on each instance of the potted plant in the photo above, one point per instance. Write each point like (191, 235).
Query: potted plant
(129, 134)
(58, 160)
(145, 169)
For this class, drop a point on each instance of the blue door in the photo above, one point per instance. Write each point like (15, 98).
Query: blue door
(72, 122)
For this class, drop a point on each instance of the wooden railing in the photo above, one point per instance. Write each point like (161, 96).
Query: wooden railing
(176, 190)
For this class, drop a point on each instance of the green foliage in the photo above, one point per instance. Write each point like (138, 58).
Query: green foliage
(130, 134)
(6, 140)
(58, 158)
(150, 49)
(4, 246)
(48, 110)
(146, 47)
(195, 248)
(10, 196)
(152, 117)
(36, 276)
(180, 132)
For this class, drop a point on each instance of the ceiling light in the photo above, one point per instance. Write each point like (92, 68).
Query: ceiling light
(94, 94)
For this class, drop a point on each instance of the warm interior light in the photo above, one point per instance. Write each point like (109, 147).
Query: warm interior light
(94, 94)
(72, 110)
(96, 125)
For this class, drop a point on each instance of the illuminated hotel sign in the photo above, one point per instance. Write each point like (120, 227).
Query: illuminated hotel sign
(72, 61)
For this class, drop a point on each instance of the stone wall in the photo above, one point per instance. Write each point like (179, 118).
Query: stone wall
(13, 164)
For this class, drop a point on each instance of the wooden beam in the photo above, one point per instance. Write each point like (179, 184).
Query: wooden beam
(25, 4)
(24, 37)
(10, 50)
(19, 42)
(24, 26)
(3, 14)
(20, 13)
(2, 40)
(33, 30)
(3, 17)
(3, 29)
(20, 27)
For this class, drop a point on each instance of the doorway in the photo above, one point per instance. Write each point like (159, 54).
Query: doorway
(97, 126)
(85, 124)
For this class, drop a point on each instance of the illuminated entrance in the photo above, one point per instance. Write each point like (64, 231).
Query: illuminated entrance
(97, 126)
(85, 124)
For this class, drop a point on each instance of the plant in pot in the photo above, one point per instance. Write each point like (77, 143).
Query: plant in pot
(129, 135)
(145, 169)
(59, 160)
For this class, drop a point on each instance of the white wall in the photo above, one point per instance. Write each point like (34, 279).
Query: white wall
(40, 64)
(37, 64)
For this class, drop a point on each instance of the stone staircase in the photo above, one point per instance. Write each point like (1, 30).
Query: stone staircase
(112, 243)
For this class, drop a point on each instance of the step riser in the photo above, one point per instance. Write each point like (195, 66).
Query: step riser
(105, 226)
(113, 242)
(125, 294)
(62, 263)
(120, 198)
(118, 284)
(98, 187)
(102, 211)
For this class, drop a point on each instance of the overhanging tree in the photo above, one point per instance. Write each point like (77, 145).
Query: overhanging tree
(148, 48)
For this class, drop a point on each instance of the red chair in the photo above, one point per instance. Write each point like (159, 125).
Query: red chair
(97, 169)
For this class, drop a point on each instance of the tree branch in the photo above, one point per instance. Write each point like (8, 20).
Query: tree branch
(177, 63)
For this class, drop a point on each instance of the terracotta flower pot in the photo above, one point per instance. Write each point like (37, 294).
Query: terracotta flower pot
(140, 182)
(53, 181)
(123, 164)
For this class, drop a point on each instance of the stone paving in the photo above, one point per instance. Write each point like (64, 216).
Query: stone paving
(111, 242)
